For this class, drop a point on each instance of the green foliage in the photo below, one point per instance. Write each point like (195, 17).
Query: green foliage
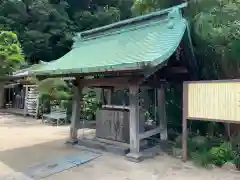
(236, 158)
(88, 20)
(216, 35)
(46, 27)
(11, 57)
(173, 107)
(215, 32)
(44, 103)
(56, 91)
(90, 105)
(56, 88)
(145, 6)
(202, 158)
(53, 91)
(221, 154)
(208, 150)
(236, 150)
(88, 108)
(67, 104)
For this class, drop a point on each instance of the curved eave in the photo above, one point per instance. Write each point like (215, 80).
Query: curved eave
(134, 49)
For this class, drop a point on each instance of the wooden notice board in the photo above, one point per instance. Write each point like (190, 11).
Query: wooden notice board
(217, 101)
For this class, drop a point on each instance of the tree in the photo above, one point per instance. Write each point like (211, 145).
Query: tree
(146, 6)
(11, 57)
(53, 91)
(216, 33)
(46, 27)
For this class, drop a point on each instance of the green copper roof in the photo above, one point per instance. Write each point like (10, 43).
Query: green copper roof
(133, 44)
(28, 71)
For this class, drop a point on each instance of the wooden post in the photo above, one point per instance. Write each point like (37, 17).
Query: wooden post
(162, 113)
(75, 120)
(184, 122)
(134, 154)
(37, 106)
(107, 93)
(105, 96)
(26, 100)
(102, 96)
(184, 139)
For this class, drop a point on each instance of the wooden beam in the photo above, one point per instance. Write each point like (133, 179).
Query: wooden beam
(115, 73)
(116, 107)
(149, 133)
(109, 82)
(154, 83)
(30, 85)
(177, 70)
(152, 71)
(120, 82)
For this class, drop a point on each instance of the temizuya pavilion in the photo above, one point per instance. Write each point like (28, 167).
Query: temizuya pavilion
(137, 52)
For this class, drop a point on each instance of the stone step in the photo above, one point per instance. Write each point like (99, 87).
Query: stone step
(97, 144)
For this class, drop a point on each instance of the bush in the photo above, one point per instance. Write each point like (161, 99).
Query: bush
(198, 150)
(90, 105)
(67, 104)
(201, 158)
(236, 161)
(221, 154)
(209, 150)
(215, 141)
(44, 104)
(236, 155)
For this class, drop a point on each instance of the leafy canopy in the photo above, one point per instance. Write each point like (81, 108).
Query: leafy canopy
(11, 56)
(55, 88)
(215, 33)
(216, 30)
(46, 27)
(145, 6)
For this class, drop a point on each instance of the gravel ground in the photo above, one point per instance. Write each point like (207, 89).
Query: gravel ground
(25, 141)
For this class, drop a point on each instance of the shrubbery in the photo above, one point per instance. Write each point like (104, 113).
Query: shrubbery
(207, 150)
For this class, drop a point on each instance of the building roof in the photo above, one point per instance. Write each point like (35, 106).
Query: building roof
(134, 44)
(28, 71)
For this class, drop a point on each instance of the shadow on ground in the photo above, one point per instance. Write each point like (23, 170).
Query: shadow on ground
(8, 120)
(19, 159)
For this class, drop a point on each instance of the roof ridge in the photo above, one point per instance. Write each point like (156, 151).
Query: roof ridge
(104, 34)
(129, 21)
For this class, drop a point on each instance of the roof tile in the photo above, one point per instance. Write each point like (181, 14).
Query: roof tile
(150, 42)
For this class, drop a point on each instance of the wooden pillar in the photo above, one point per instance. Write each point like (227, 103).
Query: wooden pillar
(162, 113)
(107, 93)
(184, 122)
(26, 101)
(134, 154)
(37, 106)
(75, 119)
